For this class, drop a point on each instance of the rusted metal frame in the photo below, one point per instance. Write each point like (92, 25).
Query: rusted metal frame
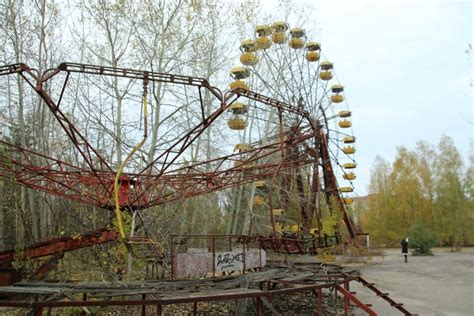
(61, 245)
(162, 301)
(292, 150)
(307, 218)
(6, 70)
(269, 101)
(248, 238)
(166, 301)
(56, 182)
(63, 89)
(384, 296)
(329, 280)
(29, 174)
(300, 288)
(139, 75)
(346, 299)
(314, 207)
(134, 74)
(331, 189)
(50, 76)
(144, 306)
(43, 180)
(227, 181)
(277, 243)
(213, 244)
(202, 104)
(184, 142)
(16, 148)
(349, 296)
(270, 199)
(260, 306)
(79, 196)
(320, 301)
(244, 249)
(79, 141)
(192, 168)
(173, 257)
(206, 175)
(55, 108)
(151, 76)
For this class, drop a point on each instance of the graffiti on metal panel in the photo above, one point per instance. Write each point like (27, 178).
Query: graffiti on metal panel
(230, 260)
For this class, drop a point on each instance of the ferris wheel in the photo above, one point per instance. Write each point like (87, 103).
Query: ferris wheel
(281, 63)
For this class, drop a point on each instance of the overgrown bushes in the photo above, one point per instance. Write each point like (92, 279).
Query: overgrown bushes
(421, 239)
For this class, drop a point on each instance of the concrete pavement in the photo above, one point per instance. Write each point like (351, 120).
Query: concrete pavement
(441, 285)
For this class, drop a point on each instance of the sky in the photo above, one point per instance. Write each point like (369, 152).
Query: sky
(405, 69)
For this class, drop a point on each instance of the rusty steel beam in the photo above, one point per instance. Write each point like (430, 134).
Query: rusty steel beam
(384, 296)
(169, 300)
(13, 69)
(74, 183)
(282, 106)
(131, 74)
(139, 191)
(331, 188)
(356, 301)
(60, 245)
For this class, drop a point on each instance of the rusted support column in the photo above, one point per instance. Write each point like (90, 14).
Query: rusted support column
(245, 256)
(195, 307)
(260, 307)
(38, 311)
(320, 302)
(346, 299)
(143, 306)
(84, 299)
(366, 308)
(159, 310)
(173, 259)
(213, 246)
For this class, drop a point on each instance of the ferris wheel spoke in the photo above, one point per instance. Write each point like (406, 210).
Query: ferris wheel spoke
(281, 76)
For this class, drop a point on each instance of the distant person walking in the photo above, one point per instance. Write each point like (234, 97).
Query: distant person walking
(404, 244)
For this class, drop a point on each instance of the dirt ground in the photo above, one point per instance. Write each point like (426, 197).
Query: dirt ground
(442, 284)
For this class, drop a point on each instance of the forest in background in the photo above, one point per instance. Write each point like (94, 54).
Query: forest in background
(428, 189)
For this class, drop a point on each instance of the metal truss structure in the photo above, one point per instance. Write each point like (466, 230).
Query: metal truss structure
(161, 181)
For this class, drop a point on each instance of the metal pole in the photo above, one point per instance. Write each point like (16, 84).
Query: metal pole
(320, 302)
(260, 307)
(173, 260)
(84, 298)
(213, 256)
(143, 306)
(346, 299)
(38, 311)
(245, 256)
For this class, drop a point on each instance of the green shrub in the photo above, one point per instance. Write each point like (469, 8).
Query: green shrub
(421, 239)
